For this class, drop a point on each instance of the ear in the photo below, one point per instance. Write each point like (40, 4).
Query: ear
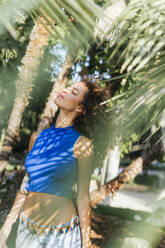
(79, 109)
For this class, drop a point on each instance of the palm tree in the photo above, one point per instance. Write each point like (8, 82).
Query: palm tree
(35, 49)
(138, 47)
(137, 44)
(128, 174)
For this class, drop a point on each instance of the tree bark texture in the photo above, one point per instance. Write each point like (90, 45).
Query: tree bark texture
(128, 174)
(30, 62)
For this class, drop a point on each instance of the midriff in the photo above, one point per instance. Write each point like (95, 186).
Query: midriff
(47, 209)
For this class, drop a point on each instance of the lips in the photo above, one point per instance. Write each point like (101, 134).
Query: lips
(61, 95)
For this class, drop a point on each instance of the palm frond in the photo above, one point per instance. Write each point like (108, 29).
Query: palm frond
(108, 22)
(139, 29)
(12, 12)
(79, 16)
(145, 35)
(6, 54)
(140, 108)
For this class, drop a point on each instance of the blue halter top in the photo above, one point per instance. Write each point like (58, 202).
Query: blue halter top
(51, 164)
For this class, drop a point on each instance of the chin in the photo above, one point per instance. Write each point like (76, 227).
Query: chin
(58, 102)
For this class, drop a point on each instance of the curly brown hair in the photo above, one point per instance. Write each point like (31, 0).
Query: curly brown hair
(92, 122)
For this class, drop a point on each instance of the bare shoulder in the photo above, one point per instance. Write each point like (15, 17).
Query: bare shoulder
(83, 148)
(32, 140)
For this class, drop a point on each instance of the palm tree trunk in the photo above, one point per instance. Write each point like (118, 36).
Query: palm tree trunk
(60, 83)
(128, 174)
(113, 162)
(35, 49)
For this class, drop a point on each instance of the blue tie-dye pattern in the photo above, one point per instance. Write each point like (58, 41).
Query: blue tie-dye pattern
(51, 164)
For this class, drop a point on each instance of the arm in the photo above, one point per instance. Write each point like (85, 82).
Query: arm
(84, 156)
(11, 218)
(16, 208)
(32, 140)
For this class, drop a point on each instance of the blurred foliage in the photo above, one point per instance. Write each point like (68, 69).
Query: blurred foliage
(127, 67)
(122, 213)
(150, 180)
(9, 66)
(42, 87)
(123, 225)
(128, 60)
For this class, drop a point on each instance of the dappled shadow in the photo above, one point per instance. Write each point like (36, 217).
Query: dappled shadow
(52, 168)
(107, 231)
(51, 164)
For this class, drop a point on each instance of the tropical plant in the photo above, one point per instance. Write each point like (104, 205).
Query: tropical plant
(135, 41)
(138, 48)
(142, 65)
(38, 40)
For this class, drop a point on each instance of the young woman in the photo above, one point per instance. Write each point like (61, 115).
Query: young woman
(61, 156)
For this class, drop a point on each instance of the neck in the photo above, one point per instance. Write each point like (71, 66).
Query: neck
(65, 118)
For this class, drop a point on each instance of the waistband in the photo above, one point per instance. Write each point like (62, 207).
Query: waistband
(38, 229)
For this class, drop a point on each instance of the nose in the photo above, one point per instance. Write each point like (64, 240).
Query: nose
(66, 90)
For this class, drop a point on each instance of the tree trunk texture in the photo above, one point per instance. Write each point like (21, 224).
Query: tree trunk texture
(35, 49)
(112, 164)
(60, 83)
(128, 174)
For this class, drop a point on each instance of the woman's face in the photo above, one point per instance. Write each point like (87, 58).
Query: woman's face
(71, 97)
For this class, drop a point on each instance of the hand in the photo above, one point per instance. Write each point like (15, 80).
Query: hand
(4, 234)
(86, 243)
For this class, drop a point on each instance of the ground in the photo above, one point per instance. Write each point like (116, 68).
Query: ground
(109, 231)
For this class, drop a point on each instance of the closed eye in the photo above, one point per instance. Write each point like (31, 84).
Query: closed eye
(75, 91)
